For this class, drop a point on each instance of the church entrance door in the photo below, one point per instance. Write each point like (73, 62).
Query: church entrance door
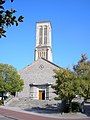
(41, 94)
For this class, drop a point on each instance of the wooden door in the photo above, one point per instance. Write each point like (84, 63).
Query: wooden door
(40, 95)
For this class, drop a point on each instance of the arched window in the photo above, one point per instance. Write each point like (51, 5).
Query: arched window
(38, 54)
(44, 54)
(40, 35)
(45, 35)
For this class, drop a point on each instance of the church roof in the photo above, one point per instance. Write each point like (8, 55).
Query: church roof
(45, 21)
(51, 63)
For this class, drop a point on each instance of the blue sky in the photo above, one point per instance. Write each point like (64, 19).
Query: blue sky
(70, 21)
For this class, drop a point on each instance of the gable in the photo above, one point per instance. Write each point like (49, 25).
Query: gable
(39, 72)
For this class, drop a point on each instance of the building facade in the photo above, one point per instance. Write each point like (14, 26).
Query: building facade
(39, 76)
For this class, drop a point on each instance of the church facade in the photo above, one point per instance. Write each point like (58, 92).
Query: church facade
(39, 76)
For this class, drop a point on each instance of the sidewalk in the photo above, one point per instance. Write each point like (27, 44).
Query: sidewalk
(77, 116)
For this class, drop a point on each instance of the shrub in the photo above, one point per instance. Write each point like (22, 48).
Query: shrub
(75, 107)
(1, 102)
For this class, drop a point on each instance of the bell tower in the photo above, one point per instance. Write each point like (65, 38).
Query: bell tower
(43, 47)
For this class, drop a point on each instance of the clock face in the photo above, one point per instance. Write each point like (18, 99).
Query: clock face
(41, 66)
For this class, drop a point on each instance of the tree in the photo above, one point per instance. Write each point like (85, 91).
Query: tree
(72, 83)
(7, 18)
(10, 80)
(65, 85)
(82, 70)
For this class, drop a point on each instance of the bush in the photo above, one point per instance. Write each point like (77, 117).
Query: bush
(75, 107)
(1, 102)
(64, 106)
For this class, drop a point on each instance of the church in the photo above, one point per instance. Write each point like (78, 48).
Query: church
(39, 76)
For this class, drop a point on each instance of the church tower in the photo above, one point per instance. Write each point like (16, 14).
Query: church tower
(43, 47)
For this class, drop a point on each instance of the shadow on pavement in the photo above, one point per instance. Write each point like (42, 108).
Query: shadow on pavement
(87, 109)
(53, 109)
(49, 109)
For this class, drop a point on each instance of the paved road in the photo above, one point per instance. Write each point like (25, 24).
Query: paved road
(14, 115)
(5, 118)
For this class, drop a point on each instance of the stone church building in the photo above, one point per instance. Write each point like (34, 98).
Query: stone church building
(38, 77)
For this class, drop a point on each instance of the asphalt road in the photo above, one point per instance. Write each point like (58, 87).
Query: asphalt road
(5, 118)
(14, 115)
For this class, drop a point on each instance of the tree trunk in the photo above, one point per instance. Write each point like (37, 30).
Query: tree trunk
(64, 106)
(2, 95)
(69, 103)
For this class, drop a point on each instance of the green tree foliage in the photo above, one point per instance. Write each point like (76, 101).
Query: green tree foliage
(10, 80)
(82, 70)
(72, 83)
(65, 84)
(7, 18)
